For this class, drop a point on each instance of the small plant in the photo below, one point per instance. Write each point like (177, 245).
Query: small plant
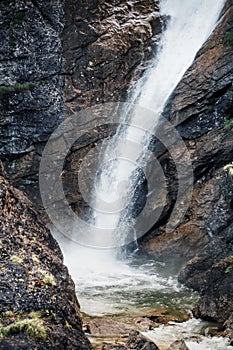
(210, 108)
(229, 168)
(51, 314)
(35, 314)
(67, 324)
(9, 314)
(16, 259)
(33, 327)
(228, 39)
(229, 261)
(35, 259)
(47, 277)
(228, 124)
(6, 89)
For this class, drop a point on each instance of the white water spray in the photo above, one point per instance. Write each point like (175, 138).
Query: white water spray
(190, 24)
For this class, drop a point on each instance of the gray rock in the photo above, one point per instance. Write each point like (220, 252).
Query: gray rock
(178, 345)
(138, 342)
(101, 326)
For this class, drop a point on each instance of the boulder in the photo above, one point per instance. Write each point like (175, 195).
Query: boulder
(101, 326)
(138, 342)
(178, 345)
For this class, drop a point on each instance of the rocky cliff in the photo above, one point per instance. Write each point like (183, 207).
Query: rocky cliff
(31, 100)
(92, 51)
(201, 108)
(39, 309)
(105, 46)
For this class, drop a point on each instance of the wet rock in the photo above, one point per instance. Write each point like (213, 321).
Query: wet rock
(104, 45)
(106, 48)
(210, 273)
(203, 99)
(201, 107)
(39, 308)
(96, 47)
(145, 324)
(217, 331)
(113, 347)
(139, 342)
(31, 99)
(164, 316)
(210, 211)
(101, 326)
(178, 345)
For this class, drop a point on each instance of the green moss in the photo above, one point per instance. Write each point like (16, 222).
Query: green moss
(210, 108)
(228, 39)
(229, 169)
(35, 259)
(16, 259)
(9, 314)
(230, 259)
(19, 17)
(7, 89)
(228, 124)
(32, 326)
(47, 277)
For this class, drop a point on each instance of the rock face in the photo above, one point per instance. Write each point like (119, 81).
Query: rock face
(106, 46)
(103, 45)
(108, 327)
(201, 107)
(96, 56)
(202, 102)
(211, 274)
(31, 99)
(39, 309)
(210, 271)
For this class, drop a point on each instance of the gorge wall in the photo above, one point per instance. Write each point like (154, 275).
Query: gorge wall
(39, 309)
(201, 108)
(88, 49)
(58, 57)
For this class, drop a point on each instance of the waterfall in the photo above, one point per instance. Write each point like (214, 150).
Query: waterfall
(190, 23)
(105, 284)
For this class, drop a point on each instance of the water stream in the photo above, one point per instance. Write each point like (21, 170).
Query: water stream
(105, 284)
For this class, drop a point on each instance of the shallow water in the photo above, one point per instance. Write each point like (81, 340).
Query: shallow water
(106, 286)
(135, 286)
(186, 330)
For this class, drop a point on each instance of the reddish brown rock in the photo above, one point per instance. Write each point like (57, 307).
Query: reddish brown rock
(103, 44)
(101, 326)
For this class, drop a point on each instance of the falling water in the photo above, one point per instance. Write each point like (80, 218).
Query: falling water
(188, 28)
(105, 285)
